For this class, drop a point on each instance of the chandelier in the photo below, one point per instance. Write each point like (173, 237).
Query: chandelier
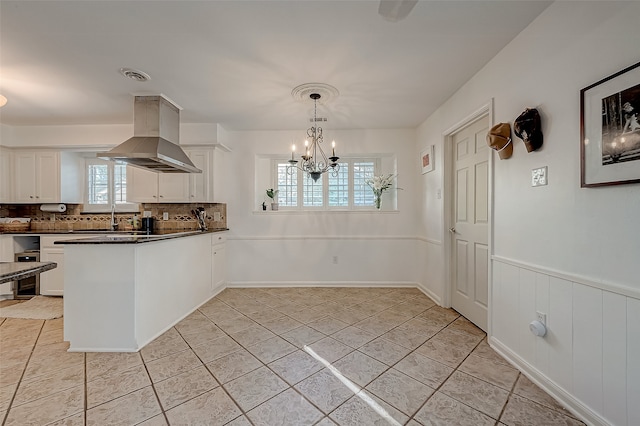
(314, 161)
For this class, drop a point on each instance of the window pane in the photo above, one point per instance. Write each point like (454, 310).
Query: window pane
(288, 186)
(339, 187)
(98, 182)
(312, 191)
(120, 183)
(362, 193)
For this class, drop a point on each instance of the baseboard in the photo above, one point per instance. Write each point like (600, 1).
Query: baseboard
(430, 294)
(563, 397)
(257, 284)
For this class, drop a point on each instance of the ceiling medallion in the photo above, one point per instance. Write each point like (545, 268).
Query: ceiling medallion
(303, 92)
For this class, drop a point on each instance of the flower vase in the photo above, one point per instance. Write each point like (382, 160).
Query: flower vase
(378, 201)
(274, 206)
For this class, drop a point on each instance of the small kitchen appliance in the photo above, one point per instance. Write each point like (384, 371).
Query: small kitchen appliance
(147, 225)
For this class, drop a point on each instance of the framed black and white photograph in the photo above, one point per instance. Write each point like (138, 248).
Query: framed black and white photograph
(610, 130)
(426, 158)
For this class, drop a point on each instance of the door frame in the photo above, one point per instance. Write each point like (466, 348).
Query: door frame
(484, 111)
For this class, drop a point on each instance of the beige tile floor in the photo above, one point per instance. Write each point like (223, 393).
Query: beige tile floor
(286, 356)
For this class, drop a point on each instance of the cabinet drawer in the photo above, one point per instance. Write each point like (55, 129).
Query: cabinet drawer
(219, 238)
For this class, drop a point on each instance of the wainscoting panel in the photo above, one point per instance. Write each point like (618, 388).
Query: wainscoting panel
(590, 357)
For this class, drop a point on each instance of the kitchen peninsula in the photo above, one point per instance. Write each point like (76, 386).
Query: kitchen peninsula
(123, 291)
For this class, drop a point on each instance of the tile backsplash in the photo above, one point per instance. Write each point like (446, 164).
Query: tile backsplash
(179, 217)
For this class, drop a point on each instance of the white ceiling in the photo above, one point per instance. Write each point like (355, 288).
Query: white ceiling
(236, 62)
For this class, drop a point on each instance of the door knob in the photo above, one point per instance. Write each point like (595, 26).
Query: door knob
(452, 230)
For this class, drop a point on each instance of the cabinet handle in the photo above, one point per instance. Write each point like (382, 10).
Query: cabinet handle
(162, 196)
(154, 196)
(37, 196)
(30, 196)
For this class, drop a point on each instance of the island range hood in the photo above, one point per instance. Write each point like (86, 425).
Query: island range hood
(156, 133)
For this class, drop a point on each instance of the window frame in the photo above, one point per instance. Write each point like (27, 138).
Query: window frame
(377, 164)
(126, 207)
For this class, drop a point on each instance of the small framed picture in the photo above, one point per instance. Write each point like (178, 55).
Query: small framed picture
(610, 130)
(427, 159)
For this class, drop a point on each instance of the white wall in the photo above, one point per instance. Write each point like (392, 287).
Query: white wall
(569, 252)
(76, 136)
(297, 248)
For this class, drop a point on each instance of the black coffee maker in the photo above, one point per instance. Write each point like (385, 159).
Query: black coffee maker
(147, 225)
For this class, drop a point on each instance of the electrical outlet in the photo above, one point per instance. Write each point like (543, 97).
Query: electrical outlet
(542, 318)
(165, 216)
(539, 176)
(335, 260)
(217, 216)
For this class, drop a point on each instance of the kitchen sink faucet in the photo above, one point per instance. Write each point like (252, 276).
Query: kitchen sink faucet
(114, 224)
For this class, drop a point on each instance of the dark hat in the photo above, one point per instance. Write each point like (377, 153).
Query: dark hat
(499, 138)
(529, 128)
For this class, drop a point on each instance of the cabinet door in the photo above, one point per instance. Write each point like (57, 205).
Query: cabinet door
(173, 187)
(24, 177)
(52, 282)
(219, 266)
(5, 176)
(200, 183)
(142, 185)
(47, 177)
(6, 255)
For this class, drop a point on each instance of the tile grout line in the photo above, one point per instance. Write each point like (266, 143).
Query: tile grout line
(504, 407)
(86, 393)
(448, 377)
(15, 392)
(155, 392)
(244, 414)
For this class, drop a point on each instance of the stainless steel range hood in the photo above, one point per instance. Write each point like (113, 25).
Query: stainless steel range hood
(156, 133)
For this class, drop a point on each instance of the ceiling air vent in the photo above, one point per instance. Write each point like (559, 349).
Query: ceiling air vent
(135, 74)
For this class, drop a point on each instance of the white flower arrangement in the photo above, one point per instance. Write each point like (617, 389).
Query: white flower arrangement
(380, 184)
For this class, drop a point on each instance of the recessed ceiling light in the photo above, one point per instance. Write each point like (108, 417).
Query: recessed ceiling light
(3, 101)
(134, 74)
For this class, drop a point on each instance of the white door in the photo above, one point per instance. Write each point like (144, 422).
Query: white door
(470, 233)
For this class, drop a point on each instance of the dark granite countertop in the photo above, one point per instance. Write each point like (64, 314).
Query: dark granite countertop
(81, 232)
(136, 238)
(12, 271)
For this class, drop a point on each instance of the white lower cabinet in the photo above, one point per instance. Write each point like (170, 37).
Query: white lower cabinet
(219, 264)
(52, 282)
(6, 255)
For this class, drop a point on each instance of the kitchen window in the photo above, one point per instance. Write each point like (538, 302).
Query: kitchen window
(106, 186)
(347, 190)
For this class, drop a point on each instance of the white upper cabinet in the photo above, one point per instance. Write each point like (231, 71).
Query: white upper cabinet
(149, 187)
(200, 184)
(46, 177)
(5, 176)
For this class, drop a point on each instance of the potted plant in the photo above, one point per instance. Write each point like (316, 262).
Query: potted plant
(273, 194)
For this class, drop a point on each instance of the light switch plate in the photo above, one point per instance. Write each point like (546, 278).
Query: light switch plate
(165, 216)
(539, 176)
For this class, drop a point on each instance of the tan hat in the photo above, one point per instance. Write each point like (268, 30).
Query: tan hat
(499, 138)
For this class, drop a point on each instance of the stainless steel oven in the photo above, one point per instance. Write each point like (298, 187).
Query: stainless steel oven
(28, 287)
